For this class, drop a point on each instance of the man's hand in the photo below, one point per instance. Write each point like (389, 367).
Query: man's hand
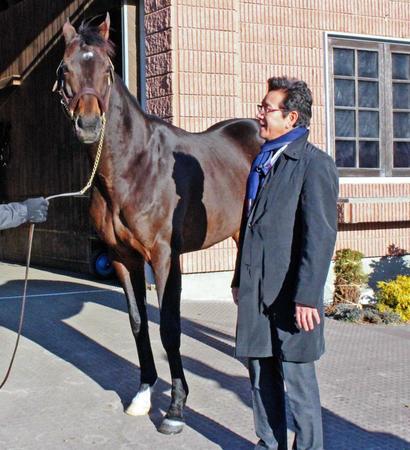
(37, 209)
(235, 292)
(306, 316)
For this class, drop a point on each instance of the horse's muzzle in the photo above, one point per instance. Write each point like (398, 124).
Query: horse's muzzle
(88, 128)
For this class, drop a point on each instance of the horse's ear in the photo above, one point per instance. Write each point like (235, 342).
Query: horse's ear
(104, 28)
(68, 32)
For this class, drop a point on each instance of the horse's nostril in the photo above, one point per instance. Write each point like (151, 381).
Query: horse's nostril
(87, 122)
(80, 122)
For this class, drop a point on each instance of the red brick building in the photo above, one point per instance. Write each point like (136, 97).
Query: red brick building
(209, 60)
(195, 62)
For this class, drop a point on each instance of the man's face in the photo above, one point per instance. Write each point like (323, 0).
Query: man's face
(271, 118)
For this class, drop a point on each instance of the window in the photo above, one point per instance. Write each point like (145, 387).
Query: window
(370, 104)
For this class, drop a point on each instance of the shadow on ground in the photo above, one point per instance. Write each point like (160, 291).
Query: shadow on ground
(388, 267)
(44, 325)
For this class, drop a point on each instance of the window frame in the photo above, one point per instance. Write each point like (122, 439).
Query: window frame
(385, 48)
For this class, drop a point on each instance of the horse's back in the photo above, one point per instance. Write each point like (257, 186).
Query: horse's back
(242, 131)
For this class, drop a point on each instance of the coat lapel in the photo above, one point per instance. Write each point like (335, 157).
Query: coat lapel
(271, 181)
(292, 151)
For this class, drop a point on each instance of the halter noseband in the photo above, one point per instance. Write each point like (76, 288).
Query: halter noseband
(70, 103)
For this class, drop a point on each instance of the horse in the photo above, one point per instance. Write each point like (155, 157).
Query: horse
(159, 191)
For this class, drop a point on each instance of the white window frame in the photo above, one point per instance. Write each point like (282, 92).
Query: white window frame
(399, 175)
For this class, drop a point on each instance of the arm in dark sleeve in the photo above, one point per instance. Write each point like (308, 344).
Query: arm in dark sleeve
(318, 204)
(12, 215)
(236, 276)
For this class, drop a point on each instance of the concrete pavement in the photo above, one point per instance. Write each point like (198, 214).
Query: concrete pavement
(77, 369)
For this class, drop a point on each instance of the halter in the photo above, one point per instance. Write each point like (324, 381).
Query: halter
(70, 103)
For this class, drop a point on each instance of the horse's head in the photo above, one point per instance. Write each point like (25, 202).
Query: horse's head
(84, 77)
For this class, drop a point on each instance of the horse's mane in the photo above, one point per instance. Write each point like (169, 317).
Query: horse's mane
(90, 35)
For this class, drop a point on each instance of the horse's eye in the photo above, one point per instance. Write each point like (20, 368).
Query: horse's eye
(64, 68)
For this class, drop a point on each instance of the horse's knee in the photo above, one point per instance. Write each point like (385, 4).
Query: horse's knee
(136, 325)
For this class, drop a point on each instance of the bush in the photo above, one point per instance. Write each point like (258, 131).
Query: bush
(390, 317)
(394, 297)
(372, 316)
(356, 314)
(343, 311)
(349, 276)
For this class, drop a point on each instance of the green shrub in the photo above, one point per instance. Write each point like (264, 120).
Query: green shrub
(349, 276)
(372, 316)
(346, 312)
(394, 296)
(389, 317)
(357, 314)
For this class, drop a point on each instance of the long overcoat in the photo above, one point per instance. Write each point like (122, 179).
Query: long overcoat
(285, 250)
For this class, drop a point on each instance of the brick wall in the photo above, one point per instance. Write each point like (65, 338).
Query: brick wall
(209, 60)
(207, 64)
(157, 23)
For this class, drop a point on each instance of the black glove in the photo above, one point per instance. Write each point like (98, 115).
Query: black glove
(36, 209)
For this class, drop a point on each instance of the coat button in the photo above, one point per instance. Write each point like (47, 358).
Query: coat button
(249, 225)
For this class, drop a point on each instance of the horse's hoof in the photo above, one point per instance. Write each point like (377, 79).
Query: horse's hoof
(171, 426)
(141, 403)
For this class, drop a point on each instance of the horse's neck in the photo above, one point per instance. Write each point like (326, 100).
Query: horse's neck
(125, 114)
(126, 134)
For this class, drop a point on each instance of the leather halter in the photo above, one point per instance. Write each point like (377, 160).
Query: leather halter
(70, 103)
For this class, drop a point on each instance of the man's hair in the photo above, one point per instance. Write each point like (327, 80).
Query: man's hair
(298, 97)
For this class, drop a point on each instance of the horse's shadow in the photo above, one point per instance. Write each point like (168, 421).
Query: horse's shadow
(44, 325)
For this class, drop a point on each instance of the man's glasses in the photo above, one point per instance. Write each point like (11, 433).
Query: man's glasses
(265, 109)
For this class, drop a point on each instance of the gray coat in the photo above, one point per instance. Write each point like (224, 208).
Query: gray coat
(12, 215)
(284, 255)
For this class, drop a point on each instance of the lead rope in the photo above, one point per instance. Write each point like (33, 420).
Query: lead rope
(30, 244)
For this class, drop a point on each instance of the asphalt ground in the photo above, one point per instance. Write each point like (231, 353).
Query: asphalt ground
(77, 370)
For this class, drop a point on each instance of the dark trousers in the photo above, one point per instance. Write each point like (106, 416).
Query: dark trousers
(268, 377)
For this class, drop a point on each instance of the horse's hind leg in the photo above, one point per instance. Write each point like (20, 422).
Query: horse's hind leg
(168, 281)
(134, 286)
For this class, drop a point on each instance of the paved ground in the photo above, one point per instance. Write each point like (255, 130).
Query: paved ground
(77, 369)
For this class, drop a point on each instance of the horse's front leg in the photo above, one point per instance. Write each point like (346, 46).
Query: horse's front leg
(168, 281)
(133, 282)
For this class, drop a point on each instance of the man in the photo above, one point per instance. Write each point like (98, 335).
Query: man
(31, 210)
(288, 234)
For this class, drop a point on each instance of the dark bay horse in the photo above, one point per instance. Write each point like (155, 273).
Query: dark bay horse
(159, 192)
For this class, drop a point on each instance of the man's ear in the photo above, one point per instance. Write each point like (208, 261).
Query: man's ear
(293, 117)
(69, 32)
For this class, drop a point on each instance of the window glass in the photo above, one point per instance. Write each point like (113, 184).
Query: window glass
(401, 125)
(344, 93)
(369, 124)
(368, 64)
(401, 95)
(345, 123)
(369, 154)
(401, 154)
(343, 61)
(368, 94)
(345, 153)
(401, 66)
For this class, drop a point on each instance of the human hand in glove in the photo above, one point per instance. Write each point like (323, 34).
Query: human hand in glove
(37, 209)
